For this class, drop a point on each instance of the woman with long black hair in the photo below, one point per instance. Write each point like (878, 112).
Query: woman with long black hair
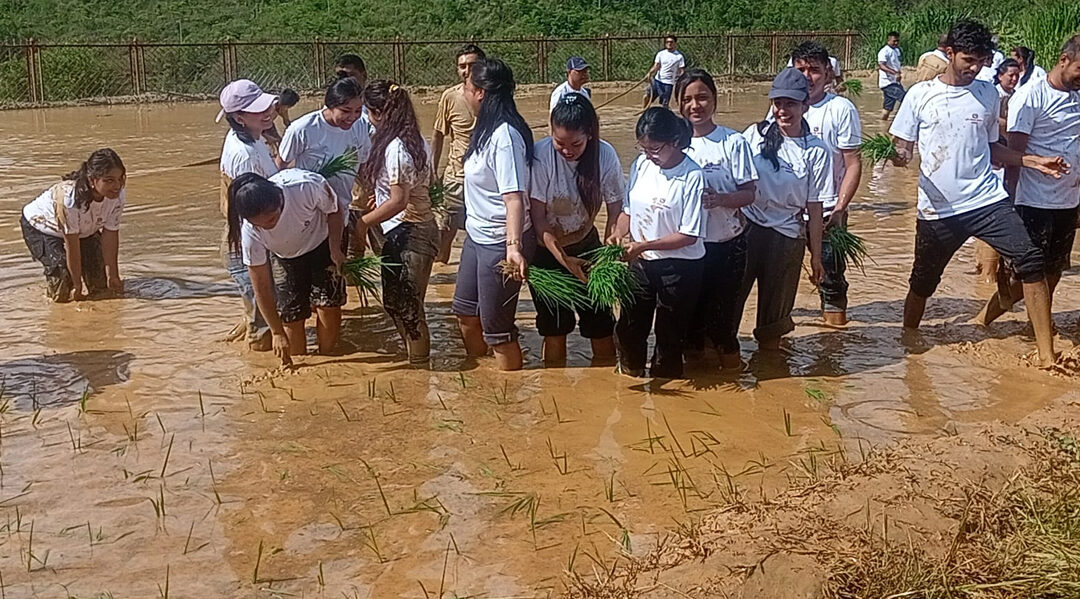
(497, 217)
(728, 166)
(400, 171)
(664, 220)
(1028, 69)
(73, 229)
(795, 176)
(575, 174)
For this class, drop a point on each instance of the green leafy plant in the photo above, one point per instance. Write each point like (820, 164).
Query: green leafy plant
(436, 193)
(847, 246)
(554, 288)
(364, 272)
(852, 87)
(611, 283)
(878, 148)
(345, 163)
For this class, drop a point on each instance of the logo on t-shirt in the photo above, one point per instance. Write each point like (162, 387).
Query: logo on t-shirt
(975, 119)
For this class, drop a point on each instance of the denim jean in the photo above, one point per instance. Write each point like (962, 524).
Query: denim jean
(256, 325)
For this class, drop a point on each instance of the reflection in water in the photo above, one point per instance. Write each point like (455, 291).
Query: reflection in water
(359, 475)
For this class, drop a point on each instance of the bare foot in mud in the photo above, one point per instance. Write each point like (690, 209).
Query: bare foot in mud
(237, 332)
(913, 339)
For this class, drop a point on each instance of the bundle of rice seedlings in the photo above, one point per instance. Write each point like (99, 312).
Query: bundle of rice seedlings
(554, 288)
(852, 87)
(611, 283)
(436, 193)
(878, 148)
(847, 246)
(365, 273)
(345, 163)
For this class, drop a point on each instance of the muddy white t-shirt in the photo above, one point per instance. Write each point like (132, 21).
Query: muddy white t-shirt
(670, 63)
(311, 141)
(495, 169)
(805, 176)
(399, 168)
(891, 57)
(954, 127)
(303, 223)
(95, 217)
(1051, 119)
(238, 158)
(553, 181)
(662, 202)
(565, 89)
(726, 162)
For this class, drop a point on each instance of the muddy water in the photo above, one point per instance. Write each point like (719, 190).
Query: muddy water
(139, 452)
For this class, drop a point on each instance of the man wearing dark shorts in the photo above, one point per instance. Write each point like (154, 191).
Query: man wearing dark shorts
(954, 119)
(668, 66)
(1044, 117)
(889, 75)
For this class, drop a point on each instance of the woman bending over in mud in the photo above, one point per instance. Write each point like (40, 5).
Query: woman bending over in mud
(295, 218)
(400, 171)
(73, 229)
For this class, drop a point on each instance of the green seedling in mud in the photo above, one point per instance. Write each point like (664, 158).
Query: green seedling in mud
(816, 394)
(258, 562)
(560, 459)
(787, 423)
(165, 464)
(213, 482)
(611, 282)
(877, 149)
(371, 388)
(82, 400)
(847, 247)
(553, 288)
(322, 576)
(378, 485)
(461, 377)
(202, 408)
(852, 88)
(76, 447)
(609, 488)
(163, 592)
(513, 467)
(372, 542)
(344, 163)
(159, 506)
(344, 412)
(161, 424)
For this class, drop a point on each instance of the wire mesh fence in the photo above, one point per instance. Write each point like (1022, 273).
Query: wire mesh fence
(42, 73)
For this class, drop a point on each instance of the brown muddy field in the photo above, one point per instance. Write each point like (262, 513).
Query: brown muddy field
(142, 456)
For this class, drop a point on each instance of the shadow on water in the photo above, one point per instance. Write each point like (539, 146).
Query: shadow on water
(61, 379)
(169, 288)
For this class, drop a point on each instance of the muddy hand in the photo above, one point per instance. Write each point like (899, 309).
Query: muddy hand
(817, 274)
(281, 349)
(1054, 166)
(515, 259)
(576, 266)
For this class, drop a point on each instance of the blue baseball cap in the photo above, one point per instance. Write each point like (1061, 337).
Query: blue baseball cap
(791, 84)
(576, 63)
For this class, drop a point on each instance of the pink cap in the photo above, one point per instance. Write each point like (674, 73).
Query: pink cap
(243, 95)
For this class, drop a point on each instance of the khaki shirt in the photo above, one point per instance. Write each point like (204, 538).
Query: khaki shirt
(455, 120)
(930, 66)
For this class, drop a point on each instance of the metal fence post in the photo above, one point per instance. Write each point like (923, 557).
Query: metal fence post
(317, 62)
(133, 66)
(399, 61)
(847, 50)
(541, 60)
(31, 79)
(605, 56)
(731, 54)
(772, 53)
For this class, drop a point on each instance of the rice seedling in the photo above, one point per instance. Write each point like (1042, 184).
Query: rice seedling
(878, 148)
(322, 576)
(513, 467)
(258, 562)
(163, 592)
(378, 484)
(165, 464)
(852, 88)
(436, 194)
(559, 458)
(365, 273)
(344, 163)
(787, 423)
(611, 282)
(848, 247)
(553, 288)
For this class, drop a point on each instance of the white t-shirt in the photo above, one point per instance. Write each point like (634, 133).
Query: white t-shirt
(662, 202)
(835, 120)
(495, 169)
(563, 89)
(303, 222)
(987, 74)
(1051, 118)
(1037, 74)
(996, 61)
(891, 57)
(238, 157)
(670, 63)
(805, 176)
(954, 127)
(727, 162)
(553, 181)
(399, 169)
(310, 142)
(97, 216)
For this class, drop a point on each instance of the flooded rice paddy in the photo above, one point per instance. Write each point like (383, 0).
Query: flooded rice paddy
(142, 456)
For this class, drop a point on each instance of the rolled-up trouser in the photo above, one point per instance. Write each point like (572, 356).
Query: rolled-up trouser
(834, 286)
(257, 328)
(718, 312)
(483, 290)
(51, 253)
(668, 294)
(774, 262)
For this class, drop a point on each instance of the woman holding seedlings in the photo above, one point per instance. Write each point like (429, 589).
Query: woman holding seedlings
(500, 240)
(295, 220)
(332, 141)
(250, 114)
(73, 229)
(795, 176)
(399, 171)
(574, 174)
(665, 222)
(728, 166)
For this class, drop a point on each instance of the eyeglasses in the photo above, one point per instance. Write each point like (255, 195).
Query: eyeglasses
(653, 152)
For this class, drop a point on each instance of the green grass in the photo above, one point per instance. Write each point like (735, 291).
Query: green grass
(853, 88)
(611, 283)
(878, 148)
(345, 163)
(847, 246)
(364, 272)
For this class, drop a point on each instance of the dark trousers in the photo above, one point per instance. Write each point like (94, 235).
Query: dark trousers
(719, 312)
(50, 252)
(834, 287)
(774, 262)
(669, 293)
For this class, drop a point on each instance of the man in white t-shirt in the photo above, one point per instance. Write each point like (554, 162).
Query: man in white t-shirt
(1044, 117)
(954, 118)
(889, 65)
(668, 65)
(577, 77)
(836, 121)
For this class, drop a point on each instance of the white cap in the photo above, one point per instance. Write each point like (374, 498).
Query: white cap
(243, 95)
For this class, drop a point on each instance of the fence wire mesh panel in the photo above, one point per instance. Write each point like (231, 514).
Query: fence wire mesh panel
(41, 73)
